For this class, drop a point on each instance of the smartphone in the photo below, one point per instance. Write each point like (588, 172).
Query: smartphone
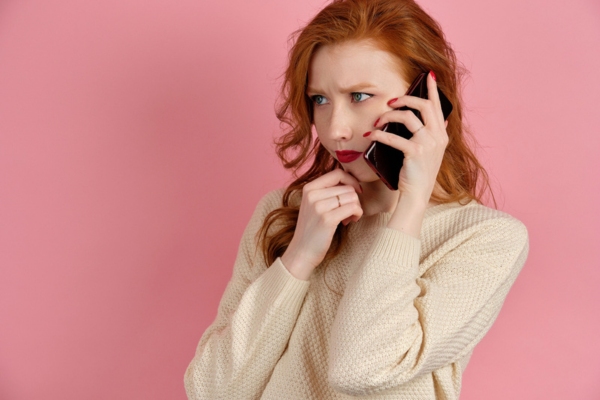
(385, 160)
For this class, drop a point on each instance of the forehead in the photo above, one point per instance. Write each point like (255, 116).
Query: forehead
(350, 62)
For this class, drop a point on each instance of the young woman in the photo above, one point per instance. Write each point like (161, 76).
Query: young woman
(343, 287)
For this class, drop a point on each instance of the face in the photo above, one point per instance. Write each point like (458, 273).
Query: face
(349, 85)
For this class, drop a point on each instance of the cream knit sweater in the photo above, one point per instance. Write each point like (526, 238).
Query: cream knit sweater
(403, 324)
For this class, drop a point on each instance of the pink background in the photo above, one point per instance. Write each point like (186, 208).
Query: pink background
(135, 141)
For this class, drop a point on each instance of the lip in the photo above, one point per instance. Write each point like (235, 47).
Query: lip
(347, 156)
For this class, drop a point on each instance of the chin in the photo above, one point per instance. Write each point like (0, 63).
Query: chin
(362, 173)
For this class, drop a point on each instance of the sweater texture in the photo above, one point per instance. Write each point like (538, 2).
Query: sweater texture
(390, 317)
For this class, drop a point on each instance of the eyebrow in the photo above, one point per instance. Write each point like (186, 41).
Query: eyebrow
(354, 88)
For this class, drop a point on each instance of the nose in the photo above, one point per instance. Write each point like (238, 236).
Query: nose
(340, 127)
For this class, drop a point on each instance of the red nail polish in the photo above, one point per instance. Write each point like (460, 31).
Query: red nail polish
(389, 103)
(376, 122)
(366, 134)
(433, 75)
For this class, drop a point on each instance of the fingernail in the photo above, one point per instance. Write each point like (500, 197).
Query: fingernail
(366, 134)
(433, 75)
(376, 122)
(389, 103)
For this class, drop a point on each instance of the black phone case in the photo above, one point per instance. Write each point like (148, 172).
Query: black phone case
(386, 161)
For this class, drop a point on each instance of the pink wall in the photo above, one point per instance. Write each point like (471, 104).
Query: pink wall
(135, 142)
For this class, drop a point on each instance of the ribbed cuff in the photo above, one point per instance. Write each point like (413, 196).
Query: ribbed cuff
(396, 246)
(282, 287)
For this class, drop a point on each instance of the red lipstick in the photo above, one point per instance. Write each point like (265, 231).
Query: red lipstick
(347, 156)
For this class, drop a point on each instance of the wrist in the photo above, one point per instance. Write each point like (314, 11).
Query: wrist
(295, 265)
(414, 201)
(408, 215)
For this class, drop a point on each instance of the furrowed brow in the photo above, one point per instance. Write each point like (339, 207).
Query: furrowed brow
(354, 88)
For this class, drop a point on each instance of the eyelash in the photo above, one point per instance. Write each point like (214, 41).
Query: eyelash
(360, 101)
(314, 98)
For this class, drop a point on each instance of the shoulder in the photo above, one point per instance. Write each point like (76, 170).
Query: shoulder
(473, 214)
(270, 201)
(250, 242)
(499, 221)
(479, 224)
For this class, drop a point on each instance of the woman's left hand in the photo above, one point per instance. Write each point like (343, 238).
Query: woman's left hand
(424, 152)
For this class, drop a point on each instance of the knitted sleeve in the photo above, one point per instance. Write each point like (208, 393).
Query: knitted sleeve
(238, 352)
(393, 324)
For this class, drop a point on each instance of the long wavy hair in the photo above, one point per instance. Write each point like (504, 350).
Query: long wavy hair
(403, 29)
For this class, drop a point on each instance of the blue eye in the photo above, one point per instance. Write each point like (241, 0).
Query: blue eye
(358, 96)
(318, 99)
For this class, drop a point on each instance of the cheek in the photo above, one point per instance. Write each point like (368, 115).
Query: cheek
(320, 125)
(315, 132)
(366, 114)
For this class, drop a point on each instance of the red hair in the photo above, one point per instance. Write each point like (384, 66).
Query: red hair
(403, 29)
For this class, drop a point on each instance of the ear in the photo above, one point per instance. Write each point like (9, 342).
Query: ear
(445, 123)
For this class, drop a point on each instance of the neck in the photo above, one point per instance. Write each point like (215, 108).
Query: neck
(377, 198)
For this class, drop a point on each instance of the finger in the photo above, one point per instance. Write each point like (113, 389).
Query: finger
(395, 141)
(434, 96)
(406, 117)
(327, 204)
(431, 116)
(352, 218)
(347, 211)
(319, 194)
(432, 90)
(333, 178)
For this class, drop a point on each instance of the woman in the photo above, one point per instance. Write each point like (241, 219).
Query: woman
(343, 287)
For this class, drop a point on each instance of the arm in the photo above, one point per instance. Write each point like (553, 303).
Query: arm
(394, 324)
(237, 353)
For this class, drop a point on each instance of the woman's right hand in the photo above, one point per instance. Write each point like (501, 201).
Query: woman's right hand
(320, 213)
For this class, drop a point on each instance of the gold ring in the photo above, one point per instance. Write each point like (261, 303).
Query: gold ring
(339, 202)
